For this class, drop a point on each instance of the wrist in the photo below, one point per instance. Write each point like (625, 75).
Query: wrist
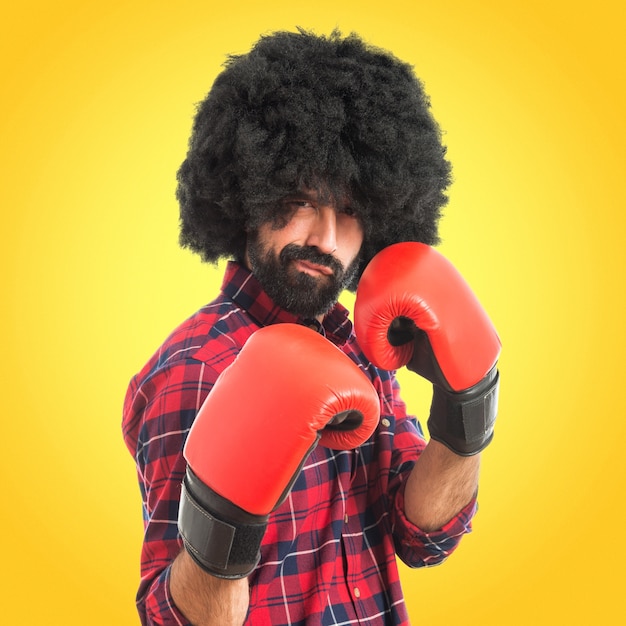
(464, 421)
(440, 486)
(222, 539)
(204, 599)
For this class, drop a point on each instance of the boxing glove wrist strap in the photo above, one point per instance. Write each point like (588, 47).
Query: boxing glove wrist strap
(223, 539)
(464, 421)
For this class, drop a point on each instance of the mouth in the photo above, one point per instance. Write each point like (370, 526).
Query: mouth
(313, 269)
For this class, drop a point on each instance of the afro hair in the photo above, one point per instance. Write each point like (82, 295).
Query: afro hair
(306, 111)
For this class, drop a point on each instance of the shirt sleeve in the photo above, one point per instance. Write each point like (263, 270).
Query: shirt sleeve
(415, 547)
(158, 414)
(159, 608)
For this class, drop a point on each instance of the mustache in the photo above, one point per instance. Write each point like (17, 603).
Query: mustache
(294, 252)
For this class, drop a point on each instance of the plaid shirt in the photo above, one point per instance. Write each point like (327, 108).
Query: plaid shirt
(329, 553)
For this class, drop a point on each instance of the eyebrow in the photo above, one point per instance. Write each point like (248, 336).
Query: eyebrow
(315, 197)
(302, 194)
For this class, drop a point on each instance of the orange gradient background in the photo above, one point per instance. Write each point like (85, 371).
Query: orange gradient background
(95, 114)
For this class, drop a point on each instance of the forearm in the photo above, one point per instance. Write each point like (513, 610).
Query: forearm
(207, 600)
(439, 486)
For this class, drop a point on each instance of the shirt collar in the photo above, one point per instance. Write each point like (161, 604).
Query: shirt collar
(243, 288)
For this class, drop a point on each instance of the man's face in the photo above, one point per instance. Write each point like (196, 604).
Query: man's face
(305, 260)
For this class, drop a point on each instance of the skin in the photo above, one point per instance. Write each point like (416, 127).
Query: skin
(440, 484)
(330, 229)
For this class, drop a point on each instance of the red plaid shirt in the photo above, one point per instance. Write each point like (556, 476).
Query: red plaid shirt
(329, 553)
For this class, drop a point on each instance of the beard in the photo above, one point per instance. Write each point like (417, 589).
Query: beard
(299, 293)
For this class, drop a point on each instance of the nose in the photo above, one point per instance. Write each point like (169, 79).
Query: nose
(323, 232)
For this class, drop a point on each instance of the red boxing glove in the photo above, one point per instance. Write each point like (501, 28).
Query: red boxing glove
(413, 308)
(288, 389)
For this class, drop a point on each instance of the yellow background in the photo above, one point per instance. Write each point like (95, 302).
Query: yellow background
(96, 107)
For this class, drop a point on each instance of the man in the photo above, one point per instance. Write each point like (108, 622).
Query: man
(310, 156)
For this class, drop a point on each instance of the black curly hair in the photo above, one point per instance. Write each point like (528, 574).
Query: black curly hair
(306, 111)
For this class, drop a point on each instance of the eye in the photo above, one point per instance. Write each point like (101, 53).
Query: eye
(349, 211)
(296, 202)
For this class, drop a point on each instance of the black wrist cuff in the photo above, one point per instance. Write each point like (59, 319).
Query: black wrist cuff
(223, 539)
(464, 421)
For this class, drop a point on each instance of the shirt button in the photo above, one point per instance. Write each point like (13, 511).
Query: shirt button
(385, 422)
(357, 592)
